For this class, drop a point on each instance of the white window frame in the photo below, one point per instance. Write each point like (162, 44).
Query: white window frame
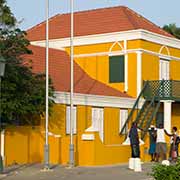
(68, 120)
(98, 121)
(123, 115)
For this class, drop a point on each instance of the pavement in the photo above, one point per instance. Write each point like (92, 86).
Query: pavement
(34, 172)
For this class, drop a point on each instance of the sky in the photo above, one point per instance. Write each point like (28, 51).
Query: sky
(32, 12)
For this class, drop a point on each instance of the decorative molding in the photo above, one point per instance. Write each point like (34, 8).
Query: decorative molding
(112, 37)
(95, 100)
(126, 66)
(116, 53)
(119, 44)
(167, 49)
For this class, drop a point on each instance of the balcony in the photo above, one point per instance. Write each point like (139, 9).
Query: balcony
(162, 90)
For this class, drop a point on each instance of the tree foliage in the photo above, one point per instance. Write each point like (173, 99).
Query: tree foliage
(172, 29)
(22, 91)
(7, 19)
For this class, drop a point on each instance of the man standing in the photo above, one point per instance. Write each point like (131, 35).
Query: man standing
(161, 147)
(134, 140)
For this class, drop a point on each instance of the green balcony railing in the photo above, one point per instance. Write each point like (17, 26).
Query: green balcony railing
(162, 90)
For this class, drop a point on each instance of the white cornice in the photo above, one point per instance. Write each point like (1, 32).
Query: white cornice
(112, 37)
(115, 53)
(95, 100)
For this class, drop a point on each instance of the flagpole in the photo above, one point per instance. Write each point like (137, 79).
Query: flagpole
(71, 147)
(46, 146)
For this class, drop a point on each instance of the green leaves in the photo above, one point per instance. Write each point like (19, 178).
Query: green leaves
(163, 172)
(7, 19)
(173, 29)
(22, 91)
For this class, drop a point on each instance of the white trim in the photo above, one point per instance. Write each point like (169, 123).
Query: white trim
(112, 37)
(52, 134)
(167, 115)
(88, 137)
(126, 66)
(116, 53)
(68, 120)
(139, 72)
(110, 49)
(167, 49)
(2, 144)
(92, 39)
(95, 100)
(123, 115)
(98, 121)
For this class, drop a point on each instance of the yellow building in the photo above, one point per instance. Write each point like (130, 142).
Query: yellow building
(126, 69)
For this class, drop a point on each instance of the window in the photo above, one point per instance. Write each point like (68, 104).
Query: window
(68, 120)
(116, 69)
(122, 120)
(164, 69)
(98, 121)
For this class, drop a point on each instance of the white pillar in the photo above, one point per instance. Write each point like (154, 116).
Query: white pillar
(2, 144)
(139, 72)
(167, 115)
(126, 66)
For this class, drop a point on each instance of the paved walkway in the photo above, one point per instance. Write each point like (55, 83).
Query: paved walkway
(119, 172)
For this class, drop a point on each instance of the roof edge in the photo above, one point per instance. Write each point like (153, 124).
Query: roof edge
(95, 100)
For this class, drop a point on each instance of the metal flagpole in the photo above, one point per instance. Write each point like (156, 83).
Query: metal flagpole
(46, 146)
(71, 147)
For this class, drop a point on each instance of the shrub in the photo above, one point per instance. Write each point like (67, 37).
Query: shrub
(163, 172)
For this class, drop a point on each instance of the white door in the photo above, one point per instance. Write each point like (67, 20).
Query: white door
(164, 70)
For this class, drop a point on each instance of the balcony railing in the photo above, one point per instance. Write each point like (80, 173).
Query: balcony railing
(162, 90)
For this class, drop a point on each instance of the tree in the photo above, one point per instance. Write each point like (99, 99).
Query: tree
(6, 16)
(172, 29)
(23, 92)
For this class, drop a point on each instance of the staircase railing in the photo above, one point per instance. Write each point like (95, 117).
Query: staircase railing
(163, 90)
(135, 107)
(143, 134)
(147, 110)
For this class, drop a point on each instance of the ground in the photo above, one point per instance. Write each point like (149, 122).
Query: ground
(34, 172)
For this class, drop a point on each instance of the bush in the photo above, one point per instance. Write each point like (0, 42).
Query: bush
(163, 172)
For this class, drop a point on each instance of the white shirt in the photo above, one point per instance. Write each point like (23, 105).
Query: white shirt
(160, 136)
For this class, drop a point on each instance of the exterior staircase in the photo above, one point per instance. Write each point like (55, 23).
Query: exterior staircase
(149, 101)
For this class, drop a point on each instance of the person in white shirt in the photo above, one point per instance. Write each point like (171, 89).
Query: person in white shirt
(161, 146)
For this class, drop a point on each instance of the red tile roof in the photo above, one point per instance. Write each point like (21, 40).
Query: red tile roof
(59, 70)
(96, 21)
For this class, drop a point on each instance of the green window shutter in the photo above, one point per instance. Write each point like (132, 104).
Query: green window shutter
(116, 69)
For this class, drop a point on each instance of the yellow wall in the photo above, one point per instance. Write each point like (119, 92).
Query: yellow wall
(132, 74)
(150, 67)
(174, 70)
(97, 67)
(22, 145)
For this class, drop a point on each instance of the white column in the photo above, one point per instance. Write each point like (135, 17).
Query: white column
(139, 72)
(2, 144)
(167, 115)
(126, 66)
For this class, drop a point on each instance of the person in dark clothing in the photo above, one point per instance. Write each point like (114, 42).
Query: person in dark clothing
(152, 139)
(134, 141)
(174, 144)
